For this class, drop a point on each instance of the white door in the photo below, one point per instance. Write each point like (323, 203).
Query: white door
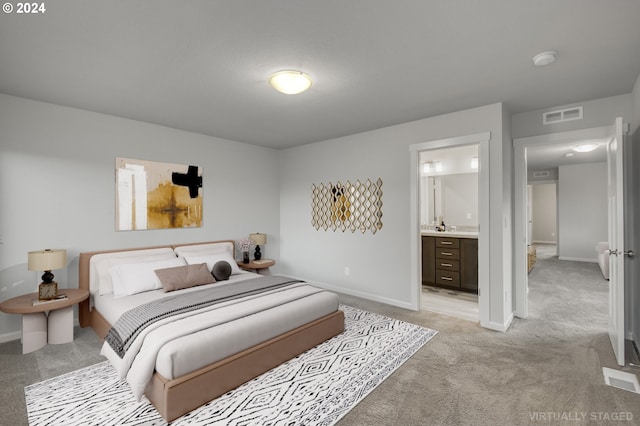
(616, 239)
(529, 214)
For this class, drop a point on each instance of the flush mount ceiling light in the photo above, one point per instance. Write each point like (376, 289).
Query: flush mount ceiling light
(544, 58)
(569, 154)
(587, 147)
(290, 82)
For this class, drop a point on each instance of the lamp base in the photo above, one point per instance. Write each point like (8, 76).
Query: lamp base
(47, 277)
(257, 255)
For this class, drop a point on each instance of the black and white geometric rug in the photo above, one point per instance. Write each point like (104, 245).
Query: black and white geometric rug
(316, 388)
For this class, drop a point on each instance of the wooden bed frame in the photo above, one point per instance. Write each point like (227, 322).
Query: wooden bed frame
(176, 397)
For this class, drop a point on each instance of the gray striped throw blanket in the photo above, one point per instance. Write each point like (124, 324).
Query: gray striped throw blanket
(134, 321)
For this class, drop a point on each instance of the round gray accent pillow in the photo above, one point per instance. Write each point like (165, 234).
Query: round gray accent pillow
(221, 270)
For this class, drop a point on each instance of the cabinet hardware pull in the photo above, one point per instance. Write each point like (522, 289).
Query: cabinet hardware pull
(446, 264)
(446, 253)
(446, 243)
(447, 278)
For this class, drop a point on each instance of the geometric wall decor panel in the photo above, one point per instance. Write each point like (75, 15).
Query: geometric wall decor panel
(353, 206)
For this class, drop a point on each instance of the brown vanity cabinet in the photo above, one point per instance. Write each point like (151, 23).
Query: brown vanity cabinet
(450, 262)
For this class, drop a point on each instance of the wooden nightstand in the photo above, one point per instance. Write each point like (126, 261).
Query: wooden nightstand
(50, 322)
(259, 266)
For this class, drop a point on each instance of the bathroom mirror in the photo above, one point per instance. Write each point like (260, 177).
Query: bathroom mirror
(453, 197)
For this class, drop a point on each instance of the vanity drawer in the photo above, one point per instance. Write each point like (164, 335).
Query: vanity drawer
(447, 253)
(447, 242)
(448, 278)
(447, 265)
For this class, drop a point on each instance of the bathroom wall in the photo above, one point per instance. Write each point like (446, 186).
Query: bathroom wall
(460, 199)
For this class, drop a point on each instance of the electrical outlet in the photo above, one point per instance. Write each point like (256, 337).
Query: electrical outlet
(347, 271)
(468, 215)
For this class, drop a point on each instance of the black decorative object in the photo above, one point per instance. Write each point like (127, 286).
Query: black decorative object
(221, 271)
(259, 240)
(245, 257)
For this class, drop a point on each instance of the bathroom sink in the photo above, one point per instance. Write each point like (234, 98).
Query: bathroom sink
(460, 234)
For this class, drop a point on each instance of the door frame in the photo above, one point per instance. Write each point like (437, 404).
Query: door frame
(482, 140)
(520, 145)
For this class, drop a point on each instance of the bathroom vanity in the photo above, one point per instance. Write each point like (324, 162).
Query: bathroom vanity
(450, 260)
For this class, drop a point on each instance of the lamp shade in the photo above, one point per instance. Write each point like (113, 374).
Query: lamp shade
(258, 239)
(47, 260)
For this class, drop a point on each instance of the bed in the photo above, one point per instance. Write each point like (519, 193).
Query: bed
(224, 334)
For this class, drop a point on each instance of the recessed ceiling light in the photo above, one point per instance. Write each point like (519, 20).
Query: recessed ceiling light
(587, 147)
(569, 154)
(290, 82)
(544, 58)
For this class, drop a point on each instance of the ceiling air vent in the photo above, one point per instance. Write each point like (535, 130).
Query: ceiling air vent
(562, 115)
(540, 174)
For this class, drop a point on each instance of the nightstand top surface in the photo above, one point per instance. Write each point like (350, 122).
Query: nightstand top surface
(24, 304)
(257, 264)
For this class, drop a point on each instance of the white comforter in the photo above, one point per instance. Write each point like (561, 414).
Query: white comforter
(139, 362)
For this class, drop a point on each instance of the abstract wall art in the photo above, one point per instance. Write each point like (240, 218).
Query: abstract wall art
(153, 195)
(353, 206)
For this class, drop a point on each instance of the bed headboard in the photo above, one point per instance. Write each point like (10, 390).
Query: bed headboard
(85, 316)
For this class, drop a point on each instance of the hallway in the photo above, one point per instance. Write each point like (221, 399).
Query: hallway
(567, 295)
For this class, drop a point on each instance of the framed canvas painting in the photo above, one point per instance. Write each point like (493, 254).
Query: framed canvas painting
(153, 195)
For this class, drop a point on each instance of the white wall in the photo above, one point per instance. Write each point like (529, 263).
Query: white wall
(544, 213)
(596, 113)
(379, 264)
(460, 199)
(635, 95)
(57, 188)
(582, 210)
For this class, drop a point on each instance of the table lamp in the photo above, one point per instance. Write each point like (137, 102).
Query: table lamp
(258, 240)
(47, 260)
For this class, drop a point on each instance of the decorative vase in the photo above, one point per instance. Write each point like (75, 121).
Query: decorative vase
(245, 257)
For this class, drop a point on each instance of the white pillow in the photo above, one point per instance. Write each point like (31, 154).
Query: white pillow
(212, 259)
(133, 278)
(205, 249)
(100, 264)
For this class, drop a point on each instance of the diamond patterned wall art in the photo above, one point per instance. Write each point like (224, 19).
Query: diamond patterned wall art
(353, 206)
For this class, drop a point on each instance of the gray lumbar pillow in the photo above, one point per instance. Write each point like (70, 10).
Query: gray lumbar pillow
(221, 270)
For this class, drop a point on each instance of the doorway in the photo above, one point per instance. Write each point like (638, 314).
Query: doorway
(551, 146)
(542, 229)
(449, 215)
(482, 140)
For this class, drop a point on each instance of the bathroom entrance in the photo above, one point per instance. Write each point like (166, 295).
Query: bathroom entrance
(484, 256)
(449, 228)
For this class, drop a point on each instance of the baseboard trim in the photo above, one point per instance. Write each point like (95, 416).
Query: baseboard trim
(17, 335)
(10, 337)
(578, 259)
(496, 326)
(385, 300)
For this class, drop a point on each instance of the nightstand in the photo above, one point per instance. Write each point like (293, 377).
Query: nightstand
(49, 322)
(259, 266)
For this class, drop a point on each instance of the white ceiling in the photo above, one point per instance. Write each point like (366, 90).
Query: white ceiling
(202, 65)
(552, 156)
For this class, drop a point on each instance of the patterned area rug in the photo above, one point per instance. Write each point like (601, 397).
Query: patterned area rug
(316, 388)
